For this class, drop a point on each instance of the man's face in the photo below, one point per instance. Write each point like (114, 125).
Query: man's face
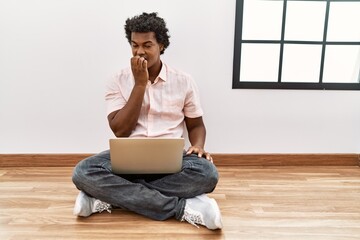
(145, 45)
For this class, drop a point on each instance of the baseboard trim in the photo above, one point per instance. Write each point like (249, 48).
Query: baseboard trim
(41, 160)
(288, 159)
(70, 160)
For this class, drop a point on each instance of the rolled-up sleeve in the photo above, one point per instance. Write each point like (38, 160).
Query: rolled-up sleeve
(192, 108)
(113, 95)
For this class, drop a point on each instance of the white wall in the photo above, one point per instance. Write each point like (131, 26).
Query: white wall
(55, 57)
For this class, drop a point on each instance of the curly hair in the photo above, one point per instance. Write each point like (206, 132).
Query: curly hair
(148, 22)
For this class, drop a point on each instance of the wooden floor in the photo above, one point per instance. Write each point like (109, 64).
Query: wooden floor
(256, 203)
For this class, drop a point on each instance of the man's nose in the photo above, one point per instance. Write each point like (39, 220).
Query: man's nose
(140, 51)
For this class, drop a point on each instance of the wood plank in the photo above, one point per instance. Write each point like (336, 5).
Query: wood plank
(256, 203)
(68, 160)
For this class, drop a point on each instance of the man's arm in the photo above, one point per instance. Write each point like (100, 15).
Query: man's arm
(197, 134)
(122, 122)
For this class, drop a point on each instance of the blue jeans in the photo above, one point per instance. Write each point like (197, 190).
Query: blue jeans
(158, 197)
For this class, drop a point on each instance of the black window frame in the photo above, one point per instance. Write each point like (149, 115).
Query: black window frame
(238, 41)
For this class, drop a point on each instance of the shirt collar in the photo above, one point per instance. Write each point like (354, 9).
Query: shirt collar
(162, 74)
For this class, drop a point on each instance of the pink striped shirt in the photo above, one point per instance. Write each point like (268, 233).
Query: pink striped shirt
(171, 97)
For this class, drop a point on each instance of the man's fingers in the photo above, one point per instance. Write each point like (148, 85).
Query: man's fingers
(200, 153)
(208, 157)
(144, 63)
(138, 61)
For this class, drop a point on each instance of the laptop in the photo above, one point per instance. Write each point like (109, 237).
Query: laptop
(146, 155)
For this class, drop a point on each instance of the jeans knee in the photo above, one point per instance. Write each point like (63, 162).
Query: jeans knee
(75, 178)
(210, 176)
(78, 176)
(213, 177)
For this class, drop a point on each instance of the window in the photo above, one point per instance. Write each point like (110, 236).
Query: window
(297, 44)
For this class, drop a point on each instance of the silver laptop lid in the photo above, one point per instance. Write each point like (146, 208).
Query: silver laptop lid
(146, 155)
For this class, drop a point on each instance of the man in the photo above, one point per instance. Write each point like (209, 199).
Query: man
(151, 99)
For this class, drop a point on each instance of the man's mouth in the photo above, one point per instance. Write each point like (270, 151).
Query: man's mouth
(143, 57)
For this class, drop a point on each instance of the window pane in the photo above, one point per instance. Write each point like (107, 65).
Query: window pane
(305, 21)
(342, 64)
(259, 62)
(344, 21)
(262, 20)
(301, 63)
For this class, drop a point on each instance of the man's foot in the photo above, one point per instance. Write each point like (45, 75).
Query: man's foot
(85, 205)
(202, 210)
